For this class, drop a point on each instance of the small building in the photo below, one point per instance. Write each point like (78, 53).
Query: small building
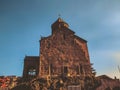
(108, 83)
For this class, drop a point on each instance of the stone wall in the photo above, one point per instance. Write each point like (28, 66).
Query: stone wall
(64, 52)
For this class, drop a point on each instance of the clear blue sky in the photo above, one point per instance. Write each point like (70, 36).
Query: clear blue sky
(22, 22)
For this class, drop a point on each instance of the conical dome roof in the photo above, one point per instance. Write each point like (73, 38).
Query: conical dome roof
(59, 23)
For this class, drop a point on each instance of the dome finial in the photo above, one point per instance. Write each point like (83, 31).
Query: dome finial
(59, 18)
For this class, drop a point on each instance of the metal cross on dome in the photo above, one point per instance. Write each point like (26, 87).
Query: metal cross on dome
(59, 15)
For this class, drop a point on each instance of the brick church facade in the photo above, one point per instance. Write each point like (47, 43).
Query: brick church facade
(61, 53)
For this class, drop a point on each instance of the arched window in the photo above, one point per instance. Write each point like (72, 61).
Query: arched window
(32, 71)
(65, 69)
(51, 68)
(77, 69)
(81, 69)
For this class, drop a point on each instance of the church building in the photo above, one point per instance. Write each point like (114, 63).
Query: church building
(61, 53)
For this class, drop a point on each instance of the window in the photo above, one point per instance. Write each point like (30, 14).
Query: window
(48, 45)
(77, 69)
(32, 72)
(65, 69)
(51, 68)
(81, 69)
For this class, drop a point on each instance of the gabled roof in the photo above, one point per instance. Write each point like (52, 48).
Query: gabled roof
(105, 77)
(80, 38)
